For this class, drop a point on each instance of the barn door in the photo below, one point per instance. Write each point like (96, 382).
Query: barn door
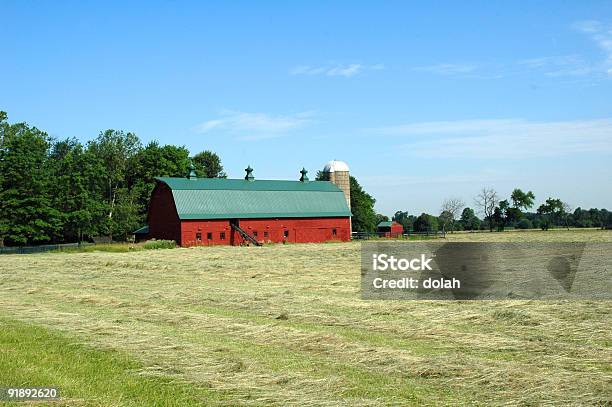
(233, 232)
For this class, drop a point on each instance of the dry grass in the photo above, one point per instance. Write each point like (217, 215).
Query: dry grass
(533, 235)
(285, 325)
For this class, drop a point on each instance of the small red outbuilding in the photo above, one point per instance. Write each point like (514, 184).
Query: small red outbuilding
(390, 229)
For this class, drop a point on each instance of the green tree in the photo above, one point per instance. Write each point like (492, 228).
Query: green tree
(445, 219)
(126, 216)
(595, 217)
(150, 162)
(362, 207)
(513, 216)
(72, 197)
(469, 220)
(4, 126)
(581, 218)
(522, 200)
(381, 218)
(27, 214)
(112, 154)
(426, 223)
(405, 220)
(606, 219)
(208, 165)
(551, 212)
(500, 215)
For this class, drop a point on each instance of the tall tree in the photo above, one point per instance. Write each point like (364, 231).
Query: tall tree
(595, 217)
(4, 126)
(208, 165)
(381, 218)
(551, 212)
(154, 161)
(469, 220)
(500, 214)
(72, 197)
(27, 214)
(451, 207)
(426, 223)
(486, 201)
(362, 207)
(522, 200)
(113, 152)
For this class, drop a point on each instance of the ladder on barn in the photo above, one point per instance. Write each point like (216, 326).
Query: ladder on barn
(245, 235)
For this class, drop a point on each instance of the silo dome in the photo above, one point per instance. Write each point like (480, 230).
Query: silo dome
(336, 166)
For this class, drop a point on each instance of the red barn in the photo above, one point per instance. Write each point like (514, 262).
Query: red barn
(218, 211)
(390, 229)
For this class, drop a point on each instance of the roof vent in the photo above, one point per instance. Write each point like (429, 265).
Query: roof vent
(304, 177)
(249, 174)
(192, 173)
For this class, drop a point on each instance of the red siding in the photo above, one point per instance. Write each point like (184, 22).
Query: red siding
(299, 230)
(163, 219)
(396, 229)
(191, 228)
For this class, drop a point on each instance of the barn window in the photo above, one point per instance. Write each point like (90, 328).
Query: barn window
(286, 233)
(209, 235)
(222, 235)
(199, 236)
(266, 234)
(254, 233)
(334, 232)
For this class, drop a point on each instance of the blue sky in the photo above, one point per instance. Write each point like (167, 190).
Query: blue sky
(424, 101)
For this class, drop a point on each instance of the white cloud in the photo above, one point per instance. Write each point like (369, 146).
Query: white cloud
(252, 126)
(552, 66)
(346, 70)
(563, 65)
(501, 139)
(587, 26)
(601, 34)
(447, 69)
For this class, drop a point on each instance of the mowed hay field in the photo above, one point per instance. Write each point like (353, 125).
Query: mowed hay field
(285, 325)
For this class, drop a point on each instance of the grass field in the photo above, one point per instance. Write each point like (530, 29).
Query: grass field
(285, 324)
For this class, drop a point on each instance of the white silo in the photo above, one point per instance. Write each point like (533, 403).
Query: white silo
(338, 173)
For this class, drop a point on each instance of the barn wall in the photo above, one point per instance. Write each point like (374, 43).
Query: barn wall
(191, 228)
(397, 230)
(300, 230)
(162, 218)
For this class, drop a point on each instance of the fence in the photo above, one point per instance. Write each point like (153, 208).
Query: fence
(41, 248)
(378, 235)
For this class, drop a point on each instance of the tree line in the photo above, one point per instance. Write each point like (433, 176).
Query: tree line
(500, 214)
(54, 191)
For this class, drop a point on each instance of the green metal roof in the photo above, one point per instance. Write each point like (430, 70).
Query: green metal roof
(385, 224)
(219, 198)
(244, 185)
